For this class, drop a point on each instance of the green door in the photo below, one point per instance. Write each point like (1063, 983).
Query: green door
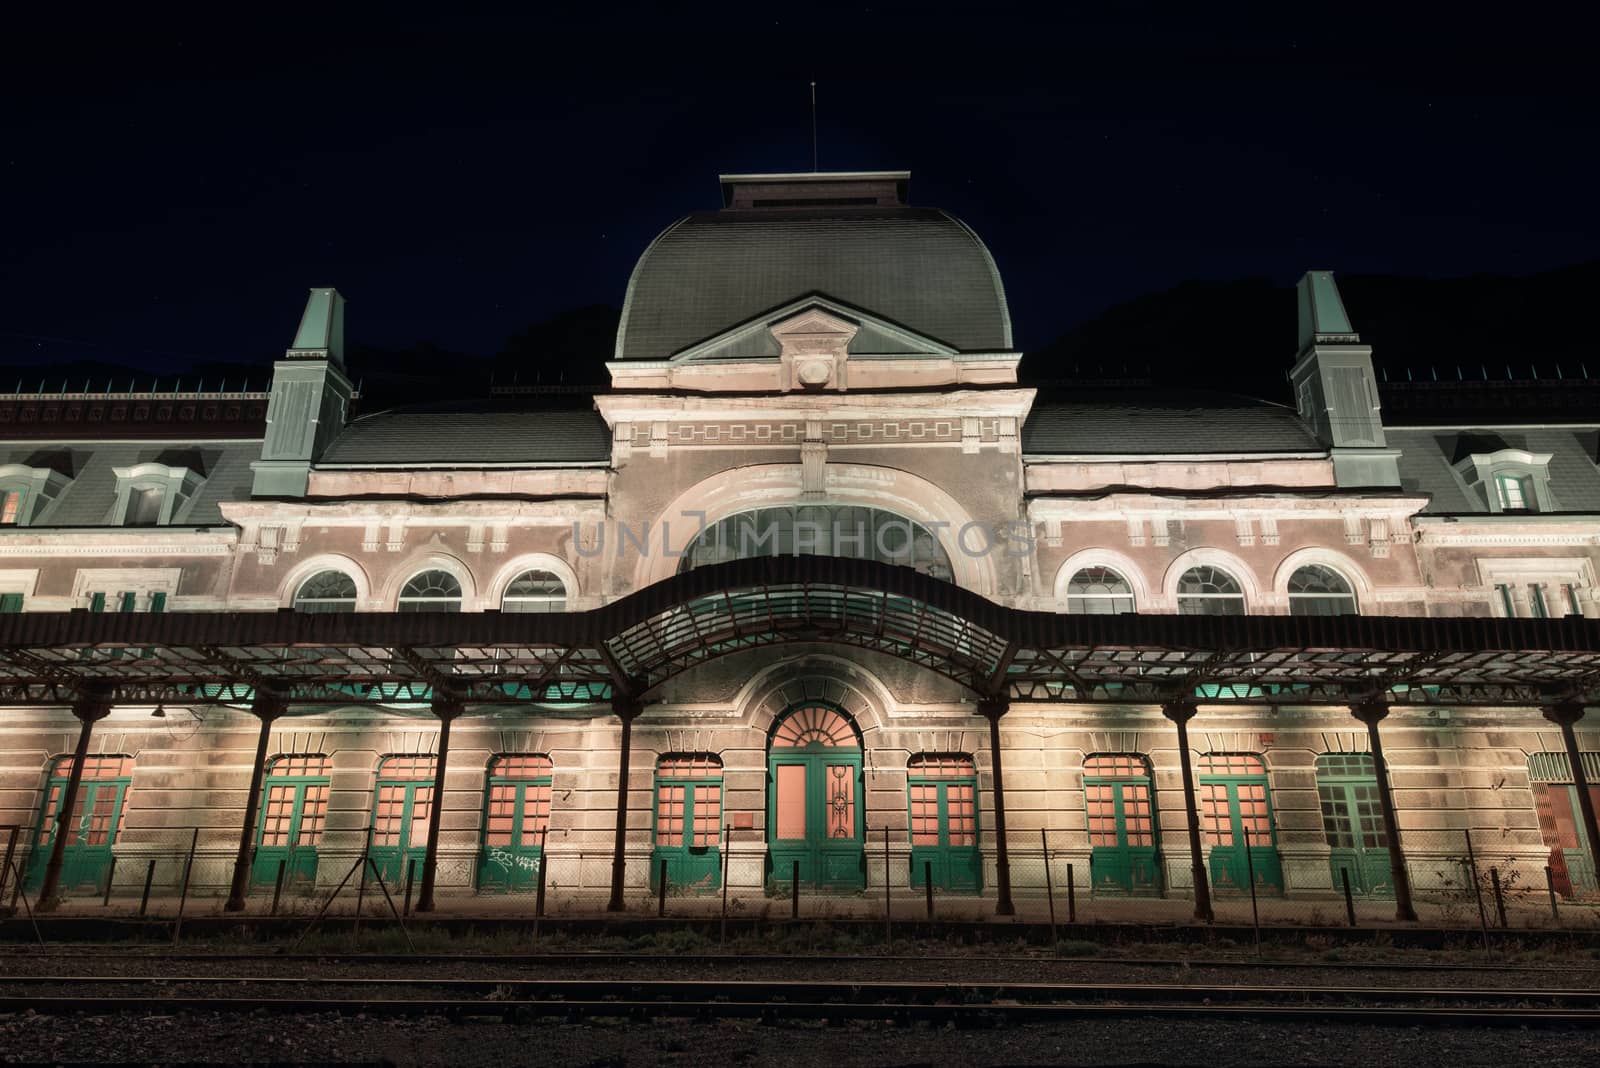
(1352, 820)
(942, 792)
(516, 818)
(402, 805)
(1571, 869)
(1236, 812)
(294, 805)
(815, 816)
(92, 828)
(688, 822)
(1122, 826)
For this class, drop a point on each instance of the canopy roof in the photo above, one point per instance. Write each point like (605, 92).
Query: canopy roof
(632, 645)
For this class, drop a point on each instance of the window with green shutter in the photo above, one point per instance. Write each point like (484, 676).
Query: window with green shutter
(10, 602)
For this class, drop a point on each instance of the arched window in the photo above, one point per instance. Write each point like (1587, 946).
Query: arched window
(326, 591)
(1209, 591)
(431, 591)
(814, 725)
(1098, 591)
(849, 531)
(1317, 590)
(535, 591)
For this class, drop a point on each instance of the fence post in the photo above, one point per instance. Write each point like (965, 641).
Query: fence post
(183, 894)
(1250, 871)
(1349, 899)
(927, 884)
(1477, 890)
(277, 884)
(1072, 893)
(727, 848)
(111, 876)
(1550, 885)
(361, 887)
(544, 860)
(794, 907)
(1049, 891)
(411, 875)
(888, 880)
(661, 891)
(149, 877)
(1499, 899)
(5, 865)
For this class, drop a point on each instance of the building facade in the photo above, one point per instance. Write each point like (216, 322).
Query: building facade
(821, 369)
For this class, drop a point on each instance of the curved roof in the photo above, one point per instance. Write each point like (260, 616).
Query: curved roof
(920, 268)
(470, 433)
(1126, 422)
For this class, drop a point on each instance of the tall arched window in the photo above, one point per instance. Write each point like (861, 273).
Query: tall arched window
(431, 591)
(856, 533)
(1098, 591)
(535, 591)
(326, 591)
(1317, 590)
(1209, 591)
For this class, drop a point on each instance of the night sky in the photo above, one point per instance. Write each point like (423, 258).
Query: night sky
(174, 186)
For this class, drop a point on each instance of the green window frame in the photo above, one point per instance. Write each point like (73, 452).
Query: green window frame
(1352, 823)
(294, 811)
(1119, 799)
(402, 804)
(1536, 600)
(942, 806)
(13, 506)
(686, 826)
(516, 820)
(10, 603)
(1516, 493)
(1556, 804)
(94, 824)
(1236, 815)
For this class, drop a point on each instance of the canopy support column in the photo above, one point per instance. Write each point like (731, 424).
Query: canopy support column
(93, 704)
(1372, 713)
(1180, 713)
(992, 710)
(626, 708)
(1566, 714)
(267, 707)
(447, 707)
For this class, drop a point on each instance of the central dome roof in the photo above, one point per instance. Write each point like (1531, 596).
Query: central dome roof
(844, 237)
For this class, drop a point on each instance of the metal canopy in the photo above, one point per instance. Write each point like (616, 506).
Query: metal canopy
(632, 645)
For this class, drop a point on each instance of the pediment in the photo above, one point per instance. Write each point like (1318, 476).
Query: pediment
(813, 321)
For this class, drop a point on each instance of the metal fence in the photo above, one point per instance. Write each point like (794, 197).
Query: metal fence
(1456, 881)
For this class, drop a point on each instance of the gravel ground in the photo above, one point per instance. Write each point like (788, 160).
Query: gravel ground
(330, 1039)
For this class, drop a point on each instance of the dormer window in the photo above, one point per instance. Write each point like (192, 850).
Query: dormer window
(11, 506)
(26, 490)
(152, 495)
(1516, 493)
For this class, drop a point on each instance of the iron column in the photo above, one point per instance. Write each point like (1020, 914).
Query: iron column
(447, 707)
(1565, 714)
(992, 710)
(93, 704)
(267, 707)
(1371, 713)
(1180, 713)
(626, 708)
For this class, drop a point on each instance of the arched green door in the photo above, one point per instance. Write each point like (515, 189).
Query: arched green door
(92, 827)
(294, 805)
(1352, 820)
(815, 815)
(516, 817)
(688, 822)
(942, 792)
(402, 806)
(1122, 824)
(1236, 812)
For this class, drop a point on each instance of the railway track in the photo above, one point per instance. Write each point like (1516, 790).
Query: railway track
(965, 1004)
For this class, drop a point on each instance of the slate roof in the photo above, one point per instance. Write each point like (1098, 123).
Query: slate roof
(88, 498)
(1427, 457)
(1153, 422)
(917, 267)
(471, 433)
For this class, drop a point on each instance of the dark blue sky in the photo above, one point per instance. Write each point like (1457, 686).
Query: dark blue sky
(173, 187)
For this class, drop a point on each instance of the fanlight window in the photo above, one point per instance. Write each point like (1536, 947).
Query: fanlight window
(1209, 591)
(326, 591)
(1315, 590)
(855, 533)
(431, 591)
(1098, 591)
(814, 725)
(535, 591)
